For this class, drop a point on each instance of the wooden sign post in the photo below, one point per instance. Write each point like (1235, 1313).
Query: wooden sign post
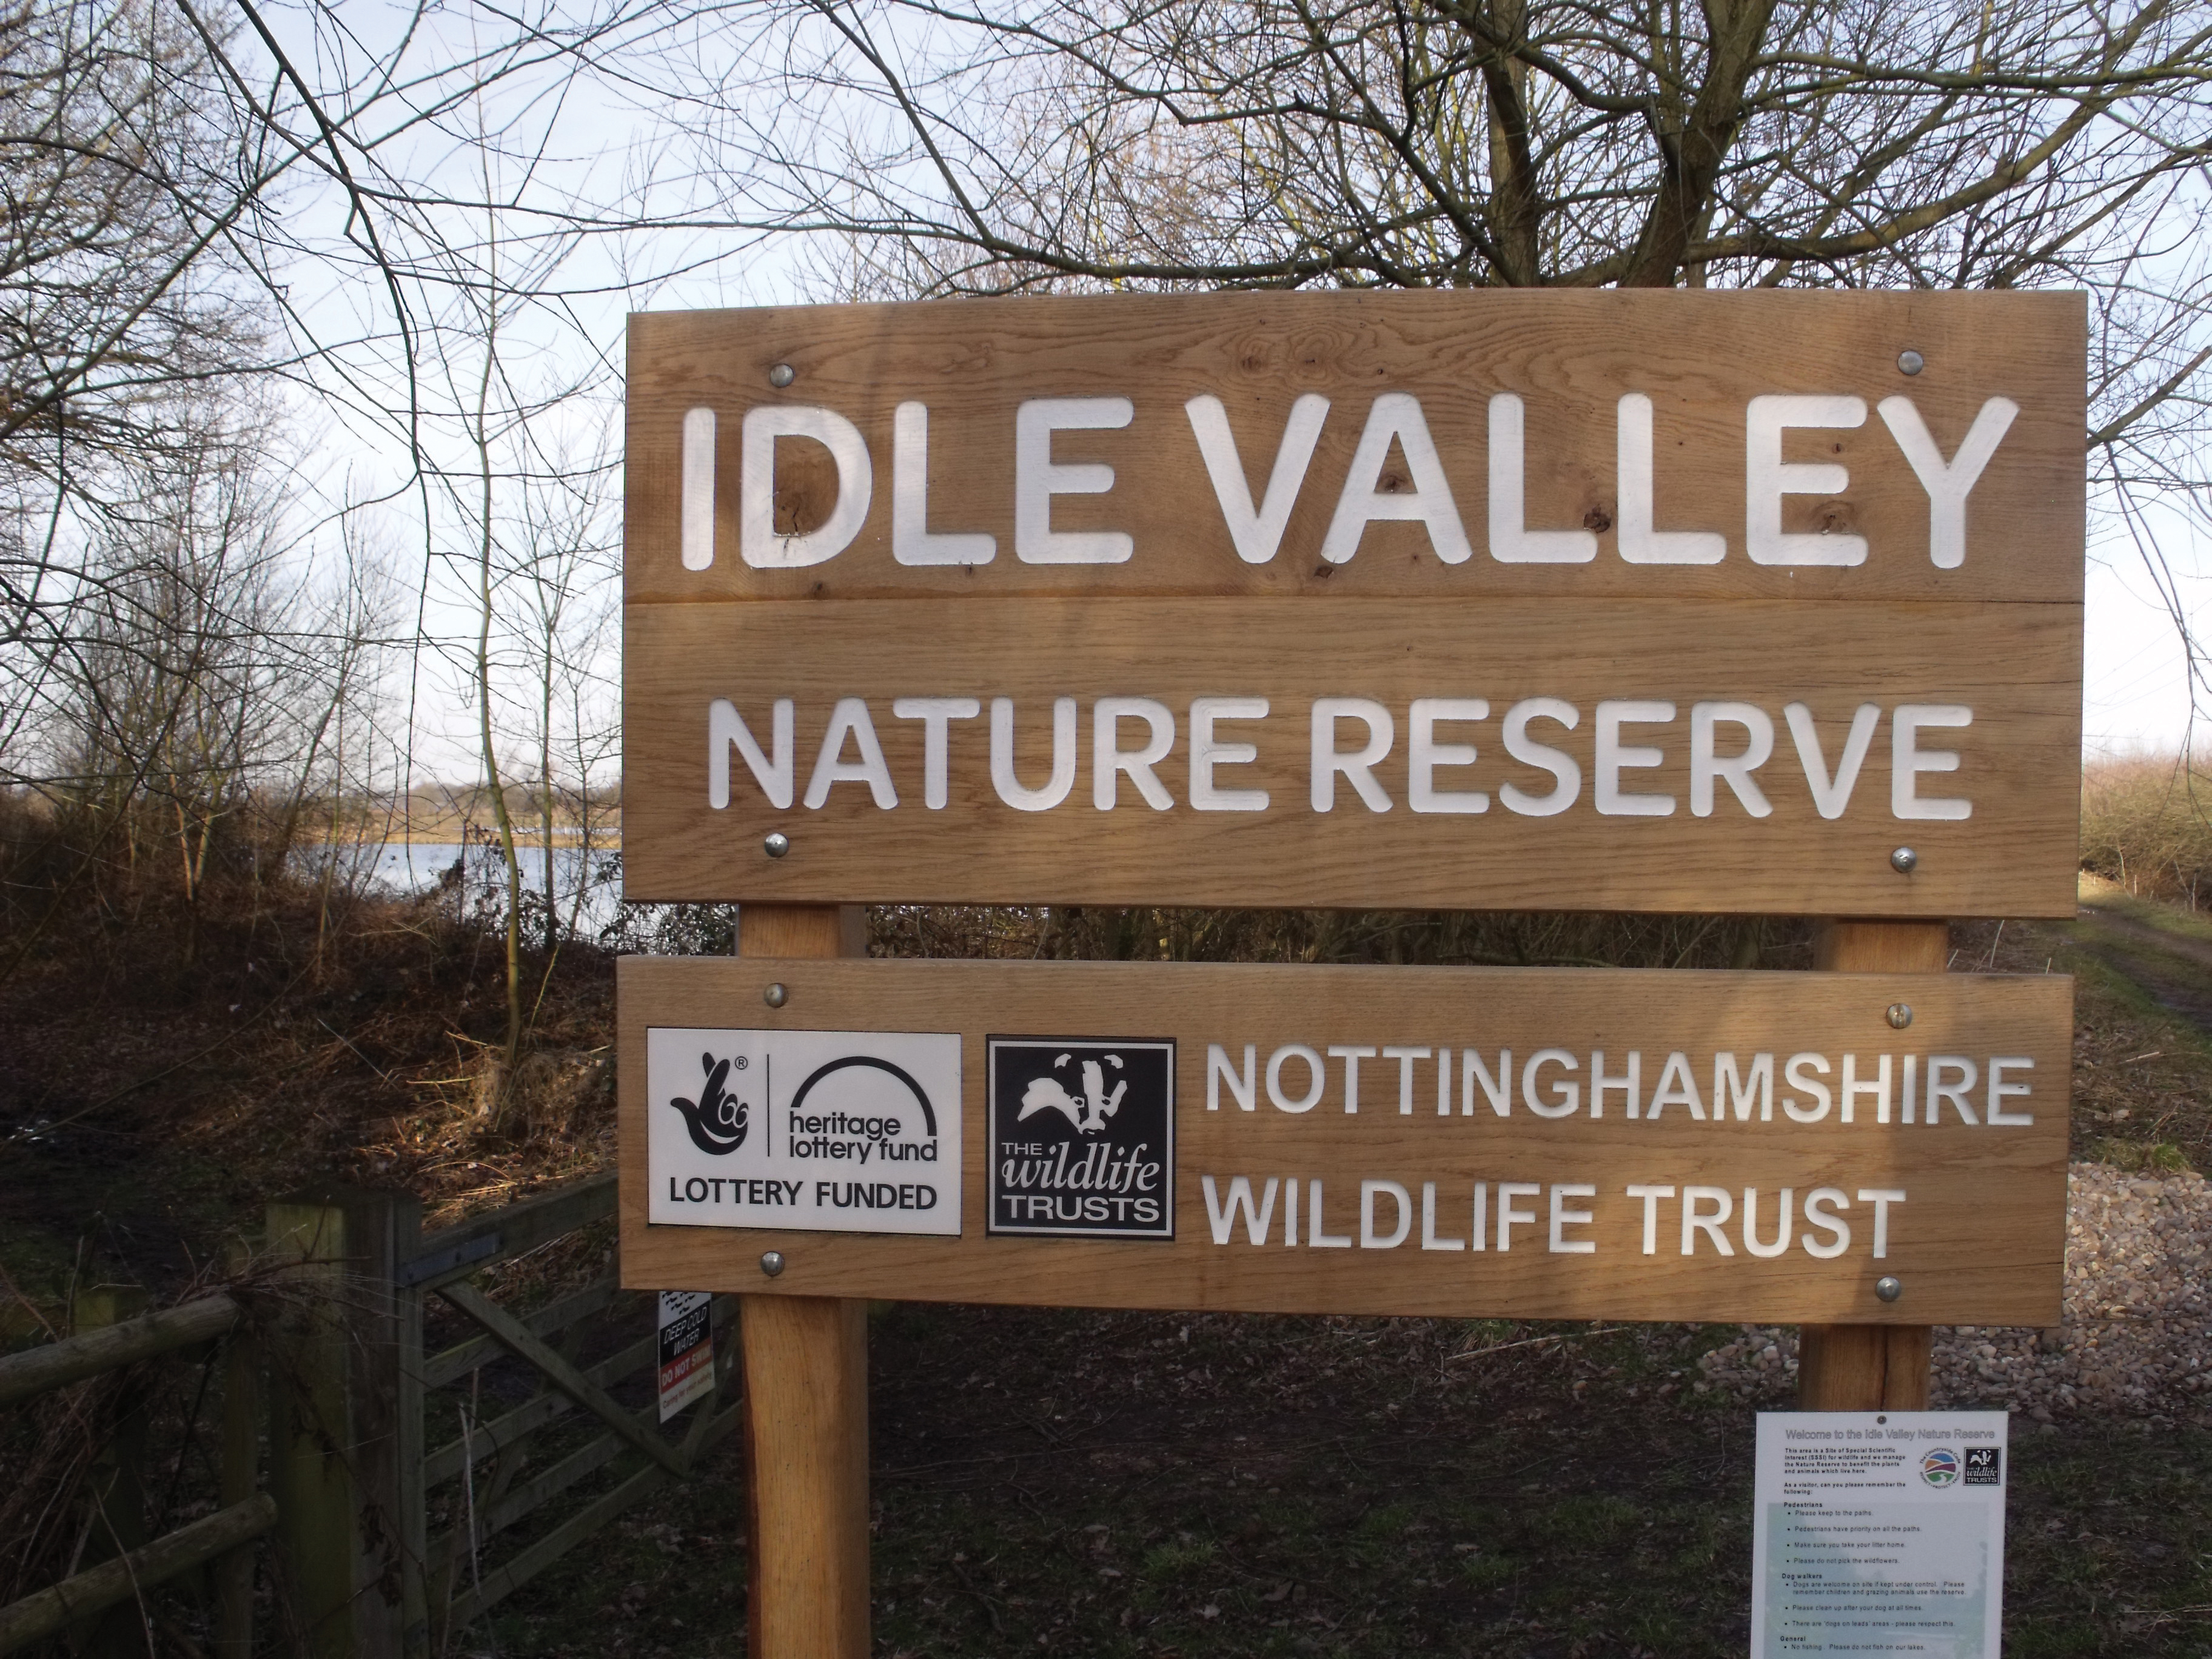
(1871, 1367)
(1709, 602)
(805, 1362)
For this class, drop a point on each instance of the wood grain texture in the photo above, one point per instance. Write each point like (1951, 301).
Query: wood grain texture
(1881, 947)
(806, 1439)
(805, 1362)
(2017, 666)
(1864, 1368)
(793, 929)
(1979, 1241)
(1871, 1367)
(1700, 357)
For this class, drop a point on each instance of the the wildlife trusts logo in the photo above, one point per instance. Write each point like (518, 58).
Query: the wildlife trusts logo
(717, 1120)
(1088, 1116)
(1082, 1136)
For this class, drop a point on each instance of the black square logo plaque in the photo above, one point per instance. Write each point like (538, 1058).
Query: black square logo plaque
(1082, 1136)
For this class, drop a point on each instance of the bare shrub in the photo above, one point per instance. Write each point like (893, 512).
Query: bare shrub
(2147, 825)
(1475, 938)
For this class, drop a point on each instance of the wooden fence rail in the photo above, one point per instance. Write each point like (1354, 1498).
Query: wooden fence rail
(121, 1577)
(133, 1564)
(26, 1376)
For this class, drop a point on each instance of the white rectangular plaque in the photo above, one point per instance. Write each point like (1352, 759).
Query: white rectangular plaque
(821, 1131)
(1879, 1533)
(685, 1327)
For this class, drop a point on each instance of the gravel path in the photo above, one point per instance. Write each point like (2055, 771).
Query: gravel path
(2136, 1338)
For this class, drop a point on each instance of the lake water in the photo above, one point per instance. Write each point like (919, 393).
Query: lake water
(420, 867)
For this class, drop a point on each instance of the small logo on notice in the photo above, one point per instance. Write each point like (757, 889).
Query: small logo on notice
(1940, 1467)
(717, 1120)
(1985, 1466)
(1082, 1136)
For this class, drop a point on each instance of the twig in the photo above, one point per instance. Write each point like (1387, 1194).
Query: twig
(960, 1571)
(1533, 1342)
(383, 1076)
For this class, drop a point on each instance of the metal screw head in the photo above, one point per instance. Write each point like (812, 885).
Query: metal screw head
(776, 996)
(1887, 1288)
(1904, 860)
(772, 1263)
(1911, 362)
(783, 375)
(1898, 1014)
(775, 843)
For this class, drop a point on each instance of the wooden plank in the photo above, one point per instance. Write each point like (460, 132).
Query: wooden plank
(519, 1227)
(342, 1454)
(1865, 1368)
(806, 1444)
(121, 1577)
(2016, 667)
(24, 1375)
(494, 1517)
(1700, 358)
(1980, 1240)
(517, 1339)
(511, 1576)
(594, 1455)
(114, 1492)
(533, 1414)
(402, 1456)
(240, 1471)
(452, 1363)
(587, 1459)
(1871, 1367)
(805, 1362)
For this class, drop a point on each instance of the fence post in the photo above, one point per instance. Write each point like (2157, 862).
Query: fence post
(346, 1421)
(807, 1405)
(408, 1498)
(1870, 1368)
(116, 1489)
(241, 1470)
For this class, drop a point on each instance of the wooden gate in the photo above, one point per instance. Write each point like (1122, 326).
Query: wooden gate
(407, 1493)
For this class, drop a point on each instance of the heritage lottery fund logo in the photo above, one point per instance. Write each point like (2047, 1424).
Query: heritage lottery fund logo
(1082, 1136)
(821, 1131)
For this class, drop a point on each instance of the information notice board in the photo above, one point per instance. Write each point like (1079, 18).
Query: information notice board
(1879, 1533)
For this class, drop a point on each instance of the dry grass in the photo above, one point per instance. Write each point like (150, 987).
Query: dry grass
(2146, 826)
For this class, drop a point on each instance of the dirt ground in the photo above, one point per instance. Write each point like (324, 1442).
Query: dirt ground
(1066, 1483)
(1069, 1482)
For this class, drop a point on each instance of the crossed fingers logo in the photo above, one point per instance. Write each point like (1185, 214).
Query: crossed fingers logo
(717, 1120)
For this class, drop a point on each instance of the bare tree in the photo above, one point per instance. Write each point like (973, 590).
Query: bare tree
(189, 715)
(942, 146)
(124, 186)
(939, 147)
(130, 180)
(572, 565)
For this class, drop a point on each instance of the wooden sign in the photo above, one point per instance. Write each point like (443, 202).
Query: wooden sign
(1573, 1144)
(1653, 601)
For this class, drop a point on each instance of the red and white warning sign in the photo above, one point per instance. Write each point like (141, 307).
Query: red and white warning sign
(687, 1349)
